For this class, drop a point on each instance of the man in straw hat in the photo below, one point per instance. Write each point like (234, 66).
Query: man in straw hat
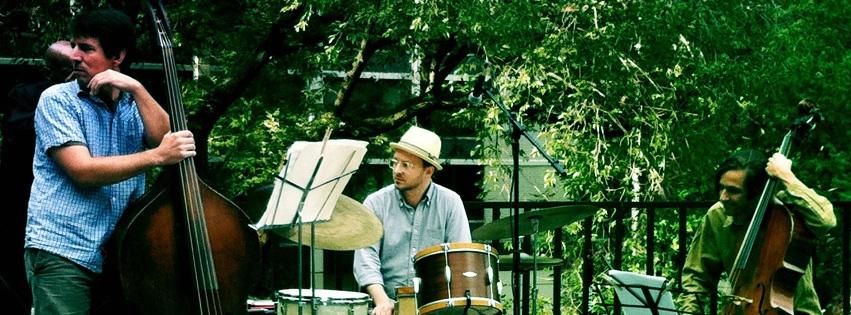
(416, 213)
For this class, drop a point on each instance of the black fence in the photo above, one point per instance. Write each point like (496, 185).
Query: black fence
(616, 214)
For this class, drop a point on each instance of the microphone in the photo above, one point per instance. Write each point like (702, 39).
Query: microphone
(475, 97)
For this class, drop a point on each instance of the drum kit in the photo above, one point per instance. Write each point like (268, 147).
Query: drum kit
(451, 278)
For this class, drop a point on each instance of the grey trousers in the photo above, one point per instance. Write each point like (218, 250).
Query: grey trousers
(59, 286)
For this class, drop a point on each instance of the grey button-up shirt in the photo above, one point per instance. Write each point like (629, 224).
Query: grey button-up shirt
(439, 218)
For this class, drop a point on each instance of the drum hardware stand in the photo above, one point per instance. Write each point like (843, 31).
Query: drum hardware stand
(534, 240)
(469, 300)
(517, 130)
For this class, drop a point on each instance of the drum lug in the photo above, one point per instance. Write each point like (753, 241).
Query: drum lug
(417, 281)
(447, 270)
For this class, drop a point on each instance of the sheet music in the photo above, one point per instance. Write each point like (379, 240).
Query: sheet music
(629, 287)
(336, 161)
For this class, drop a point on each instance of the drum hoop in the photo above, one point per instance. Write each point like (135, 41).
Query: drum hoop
(455, 247)
(459, 302)
(405, 291)
(329, 302)
(324, 300)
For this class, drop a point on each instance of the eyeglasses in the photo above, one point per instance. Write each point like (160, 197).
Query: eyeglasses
(406, 166)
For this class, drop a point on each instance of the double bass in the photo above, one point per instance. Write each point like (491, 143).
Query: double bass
(183, 248)
(775, 250)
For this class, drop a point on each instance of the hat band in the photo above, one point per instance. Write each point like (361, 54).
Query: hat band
(430, 156)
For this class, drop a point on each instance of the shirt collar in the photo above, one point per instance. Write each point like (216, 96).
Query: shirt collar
(736, 219)
(427, 196)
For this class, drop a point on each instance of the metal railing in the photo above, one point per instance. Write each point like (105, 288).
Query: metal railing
(616, 214)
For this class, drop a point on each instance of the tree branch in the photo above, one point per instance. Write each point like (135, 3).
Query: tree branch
(365, 53)
(369, 127)
(216, 102)
(446, 59)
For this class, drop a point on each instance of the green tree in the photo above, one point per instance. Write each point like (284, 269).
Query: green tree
(639, 99)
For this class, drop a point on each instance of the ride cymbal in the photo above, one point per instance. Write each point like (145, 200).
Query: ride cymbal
(506, 262)
(547, 219)
(352, 226)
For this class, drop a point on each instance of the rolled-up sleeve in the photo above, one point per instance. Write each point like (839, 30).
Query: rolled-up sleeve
(367, 264)
(816, 210)
(57, 123)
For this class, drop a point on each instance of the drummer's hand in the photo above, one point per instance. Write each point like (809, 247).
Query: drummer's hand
(385, 308)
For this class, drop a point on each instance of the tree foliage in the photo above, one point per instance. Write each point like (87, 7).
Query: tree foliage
(640, 99)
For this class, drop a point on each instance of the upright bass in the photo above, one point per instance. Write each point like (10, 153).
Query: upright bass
(184, 248)
(775, 251)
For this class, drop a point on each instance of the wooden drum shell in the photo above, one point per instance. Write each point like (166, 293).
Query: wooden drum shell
(468, 264)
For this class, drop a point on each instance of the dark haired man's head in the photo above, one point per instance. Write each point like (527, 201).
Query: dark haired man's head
(740, 179)
(101, 39)
(753, 163)
(112, 28)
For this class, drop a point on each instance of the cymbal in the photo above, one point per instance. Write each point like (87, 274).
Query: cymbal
(352, 226)
(506, 262)
(547, 219)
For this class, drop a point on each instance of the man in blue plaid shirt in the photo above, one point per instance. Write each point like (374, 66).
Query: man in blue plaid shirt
(95, 138)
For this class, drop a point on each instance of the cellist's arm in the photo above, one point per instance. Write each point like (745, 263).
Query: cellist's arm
(816, 210)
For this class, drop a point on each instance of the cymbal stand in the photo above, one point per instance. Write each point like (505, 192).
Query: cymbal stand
(517, 130)
(534, 297)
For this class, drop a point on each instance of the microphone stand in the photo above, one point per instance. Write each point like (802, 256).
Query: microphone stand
(517, 130)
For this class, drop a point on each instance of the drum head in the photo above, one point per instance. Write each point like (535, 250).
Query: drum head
(454, 247)
(322, 302)
(324, 295)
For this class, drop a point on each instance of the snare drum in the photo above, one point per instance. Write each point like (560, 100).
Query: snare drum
(329, 302)
(449, 273)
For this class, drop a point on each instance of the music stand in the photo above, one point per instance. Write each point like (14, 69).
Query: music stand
(641, 294)
(296, 200)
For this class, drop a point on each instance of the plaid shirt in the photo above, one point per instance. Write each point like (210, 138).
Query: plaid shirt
(64, 218)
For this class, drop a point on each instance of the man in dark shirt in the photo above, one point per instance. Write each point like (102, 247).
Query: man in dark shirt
(16, 160)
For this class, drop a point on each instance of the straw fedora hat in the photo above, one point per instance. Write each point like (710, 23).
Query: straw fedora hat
(422, 143)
